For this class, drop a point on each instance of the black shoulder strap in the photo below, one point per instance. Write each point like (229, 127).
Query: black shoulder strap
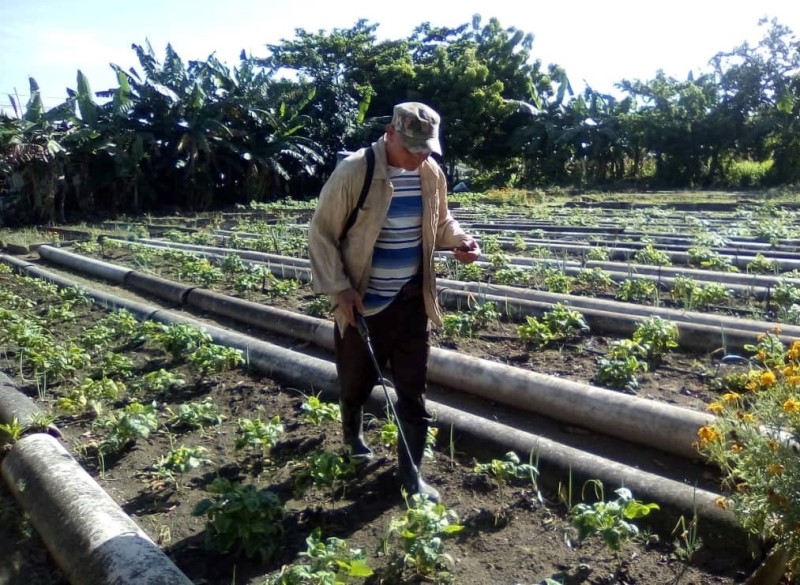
(370, 155)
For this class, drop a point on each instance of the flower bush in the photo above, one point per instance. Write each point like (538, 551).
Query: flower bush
(755, 440)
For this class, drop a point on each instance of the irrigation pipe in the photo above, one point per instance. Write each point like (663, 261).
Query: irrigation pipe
(88, 535)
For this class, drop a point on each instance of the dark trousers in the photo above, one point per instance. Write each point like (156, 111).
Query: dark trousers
(399, 335)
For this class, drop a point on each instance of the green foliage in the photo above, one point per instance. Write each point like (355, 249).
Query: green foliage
(194, 415)
(323, 468)
(558, 323)
(745, 174)
(595, 279)
(467, 324)
(255, 434)
(619, 366)
(761, 265)
(316, 411)
(180, 339)
(638, 290)
(242, 519)
(649, 255)
(90, 395)
(559, 282)
(329, 562)
(319, 307)
(599, 253)
(469, 272)
(123, 427)
(158, 382)
(421, 531)
(214, 358)
(706, 258)
(200, 271)
(692, 295)
(179, 461)
(657, 335)
(610, 521)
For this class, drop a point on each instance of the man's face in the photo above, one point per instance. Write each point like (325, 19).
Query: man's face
(398, 155)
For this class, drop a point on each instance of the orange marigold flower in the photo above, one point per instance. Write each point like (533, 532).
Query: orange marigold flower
(716, 408)
(792, 405)
(776, 469)
(767, 379)
(737, 448)
(721, 502)
(751, 385)
(776, 329)
(761, 355)
(747, 417)
(773, 444)
(793, 380)
(794, 351)
(707, 435)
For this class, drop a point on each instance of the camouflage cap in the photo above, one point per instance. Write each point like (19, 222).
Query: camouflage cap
(418, 125)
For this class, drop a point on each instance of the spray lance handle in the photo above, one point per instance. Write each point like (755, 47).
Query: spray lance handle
(361, 325)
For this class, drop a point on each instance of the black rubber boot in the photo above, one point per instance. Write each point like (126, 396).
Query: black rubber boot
(409, 474)
(353, 432)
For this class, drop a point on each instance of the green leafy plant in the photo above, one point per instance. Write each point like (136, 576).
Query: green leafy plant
(242, 519)
(421, 531)
(466, 324)
(329, 562)
(637, 289)
(595, 279)
(194, 415)
(319, 307)
(158, 382)
(316, 411)
(255, 434)
(611, 521)
(214, 358)
(649, 255)
(90, 395)
(760, 265)
(507, 471)
(179, 339)
(559, 282)
(323, 468)
(598, 253)
(657, 335)
(125, 426)
(619, 366)
(11, 431)
(179, 461)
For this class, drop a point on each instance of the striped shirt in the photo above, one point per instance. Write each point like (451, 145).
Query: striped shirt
(398, 249)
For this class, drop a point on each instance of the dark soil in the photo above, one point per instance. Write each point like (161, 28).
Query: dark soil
(511, 534)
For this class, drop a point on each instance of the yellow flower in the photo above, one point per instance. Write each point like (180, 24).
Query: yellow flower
(731, 397)
(794, 351)
(721, 502)
(751, 385)
(747, 417)
(737, 448)
(793, 380)
(761, 355)
(789, 371)
(741, 487)
(716, 408)
(767, 379)
(707, 435)
(792, 405)
(776, 469)
(773, 444)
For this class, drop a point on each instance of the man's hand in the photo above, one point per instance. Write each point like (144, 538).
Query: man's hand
(467, 252)
(347, 300)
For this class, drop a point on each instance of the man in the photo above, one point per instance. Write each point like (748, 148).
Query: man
(382, 267)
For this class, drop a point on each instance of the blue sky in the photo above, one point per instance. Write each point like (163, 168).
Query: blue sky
(598, 43)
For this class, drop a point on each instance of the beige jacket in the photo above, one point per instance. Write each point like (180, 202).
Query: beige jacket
(338, 267)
